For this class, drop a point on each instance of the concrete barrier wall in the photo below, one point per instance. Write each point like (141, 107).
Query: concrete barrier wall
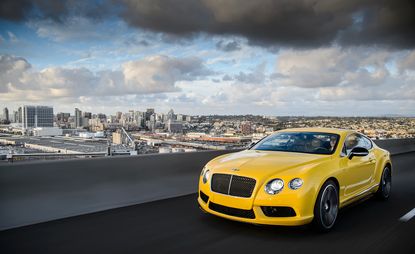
(38, 191)
(396, 146)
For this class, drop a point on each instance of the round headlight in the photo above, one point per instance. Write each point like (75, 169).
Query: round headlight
(206, 176)
(274, 186)
(295, 183)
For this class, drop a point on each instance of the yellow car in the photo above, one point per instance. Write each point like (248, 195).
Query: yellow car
(295, 177)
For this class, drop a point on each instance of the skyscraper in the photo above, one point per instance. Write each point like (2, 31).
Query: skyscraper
(88, 115)
(20, 115)
(37, 116)
(149, 112)
(78, 118)
(6, 114)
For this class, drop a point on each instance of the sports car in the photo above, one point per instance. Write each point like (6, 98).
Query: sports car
(296, 177)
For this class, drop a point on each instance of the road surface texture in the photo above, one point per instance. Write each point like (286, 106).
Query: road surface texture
(176, 225)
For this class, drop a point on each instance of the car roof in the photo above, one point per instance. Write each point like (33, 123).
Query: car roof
(325, 130)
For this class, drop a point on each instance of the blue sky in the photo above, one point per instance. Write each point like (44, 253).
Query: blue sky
(117, 63)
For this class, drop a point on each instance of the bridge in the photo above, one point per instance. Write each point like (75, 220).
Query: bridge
(147, 203)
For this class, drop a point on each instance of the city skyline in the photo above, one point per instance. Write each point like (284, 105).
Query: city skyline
(110, 112)
(229, 59)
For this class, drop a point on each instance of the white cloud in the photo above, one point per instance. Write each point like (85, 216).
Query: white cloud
(12, 37)
(348, 73)
(155, 74)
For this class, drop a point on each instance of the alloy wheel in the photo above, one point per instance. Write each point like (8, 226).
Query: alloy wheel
(329, 206)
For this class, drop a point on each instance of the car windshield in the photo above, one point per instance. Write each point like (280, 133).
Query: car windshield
(300, 142)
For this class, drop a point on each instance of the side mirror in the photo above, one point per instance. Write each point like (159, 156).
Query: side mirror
(251, 145)
(359, 152)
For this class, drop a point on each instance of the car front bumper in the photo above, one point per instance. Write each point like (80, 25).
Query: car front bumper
(250, 211)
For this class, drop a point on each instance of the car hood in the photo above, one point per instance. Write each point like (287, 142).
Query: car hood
(258, 164)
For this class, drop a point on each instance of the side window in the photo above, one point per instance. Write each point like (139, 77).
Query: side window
(366, 143)
(351, 142)
(356, 140)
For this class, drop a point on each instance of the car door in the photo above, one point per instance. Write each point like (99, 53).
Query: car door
(359, 171)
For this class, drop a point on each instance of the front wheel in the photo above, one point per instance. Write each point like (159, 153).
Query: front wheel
(326, 207)
(385, 184)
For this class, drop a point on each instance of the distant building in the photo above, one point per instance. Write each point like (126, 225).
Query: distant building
(171, 115)
(246, 128)
(87, 115)
(118, 115)
(102, 117)
(37, 116)
(6, 115)
(15, 117)
(117, 138)
(152, 122)
(78, 118)
(20, 115)
(47, 131)
(95, 124)
(174, 127)
(149, 112)
(63, 117)
(180, 117)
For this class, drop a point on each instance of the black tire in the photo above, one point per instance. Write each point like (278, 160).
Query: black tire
(385, 184)
(326, 208)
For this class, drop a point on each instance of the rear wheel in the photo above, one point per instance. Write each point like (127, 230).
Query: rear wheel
(385, 184)
(326, 207)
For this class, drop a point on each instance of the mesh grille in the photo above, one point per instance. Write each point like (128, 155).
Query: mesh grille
(220, 183)
(232, 211)
(242, 186)
(233, 185)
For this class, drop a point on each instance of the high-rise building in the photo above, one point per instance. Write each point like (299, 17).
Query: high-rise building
(149, 112)
(102, 117)
(78, 118)
(118, 115)
(88, 115)
(37, 116)
(6, 115)
(15, 116)
(170, 115)
(20, 115)
(63, 117)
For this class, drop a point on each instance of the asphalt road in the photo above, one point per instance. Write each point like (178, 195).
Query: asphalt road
(177, 226)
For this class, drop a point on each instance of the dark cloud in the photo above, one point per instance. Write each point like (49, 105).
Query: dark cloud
(270, 23)
(228, 46)
(14, 9)
(20, 10)
(293, 23)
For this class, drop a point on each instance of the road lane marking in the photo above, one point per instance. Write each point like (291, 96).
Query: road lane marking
(408, 216)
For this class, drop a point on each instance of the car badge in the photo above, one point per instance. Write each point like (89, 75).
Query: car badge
(235, 169)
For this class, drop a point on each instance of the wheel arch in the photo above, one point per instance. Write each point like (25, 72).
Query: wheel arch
(332, 178)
